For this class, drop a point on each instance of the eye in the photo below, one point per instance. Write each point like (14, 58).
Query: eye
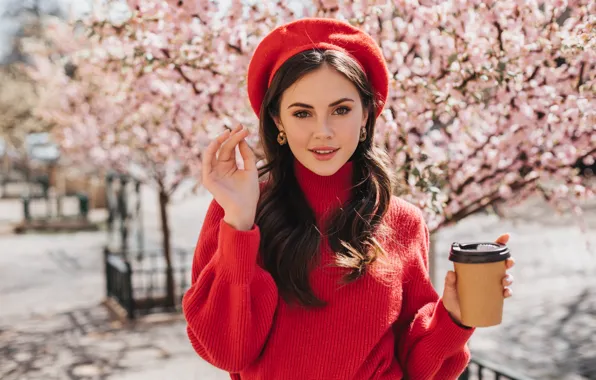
(301, 114)
(343, 110)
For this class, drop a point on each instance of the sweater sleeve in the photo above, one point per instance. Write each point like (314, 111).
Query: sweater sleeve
(231, 301)
(430, 345)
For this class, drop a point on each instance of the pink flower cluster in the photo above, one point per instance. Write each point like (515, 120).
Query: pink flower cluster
(489, 100)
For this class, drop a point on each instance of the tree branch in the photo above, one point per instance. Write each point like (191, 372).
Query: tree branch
(476, 205)
(178, 69)
(235, 48)
(580, 76)
(500, 35)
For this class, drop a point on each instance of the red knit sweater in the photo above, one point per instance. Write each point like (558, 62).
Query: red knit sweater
(373, 328)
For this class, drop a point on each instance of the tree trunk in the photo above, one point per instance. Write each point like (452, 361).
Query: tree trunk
(432, 258)
(167, 249)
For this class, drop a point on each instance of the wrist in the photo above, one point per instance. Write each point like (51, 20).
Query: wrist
(239, 223)
(453, 317)
(458, 322)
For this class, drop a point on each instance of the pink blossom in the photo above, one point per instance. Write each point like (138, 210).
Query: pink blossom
(477, 89)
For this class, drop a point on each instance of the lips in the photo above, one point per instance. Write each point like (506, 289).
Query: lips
(324, 153)
(324, 150)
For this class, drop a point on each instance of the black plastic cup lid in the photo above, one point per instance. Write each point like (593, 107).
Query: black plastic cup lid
(478, 253)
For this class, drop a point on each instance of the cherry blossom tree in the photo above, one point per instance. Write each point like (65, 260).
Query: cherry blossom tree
(18, 100)
(490, 101)
(144, 86)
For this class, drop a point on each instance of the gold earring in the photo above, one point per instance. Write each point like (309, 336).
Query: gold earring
(281, 138)
(362, 134)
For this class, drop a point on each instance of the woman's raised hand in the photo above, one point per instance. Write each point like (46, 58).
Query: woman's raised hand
(235, 189)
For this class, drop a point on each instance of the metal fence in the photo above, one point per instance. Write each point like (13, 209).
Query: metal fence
(137, 281)
(480, 369)
(119, 281)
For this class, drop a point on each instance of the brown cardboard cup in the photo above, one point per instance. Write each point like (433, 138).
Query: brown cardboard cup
(480, 268)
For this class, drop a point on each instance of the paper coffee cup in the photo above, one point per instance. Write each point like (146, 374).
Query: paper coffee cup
(480, 268)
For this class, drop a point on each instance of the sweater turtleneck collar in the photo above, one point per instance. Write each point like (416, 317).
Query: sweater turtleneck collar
(325, 193)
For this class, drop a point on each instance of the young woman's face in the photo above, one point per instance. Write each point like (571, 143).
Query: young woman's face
(322, 115)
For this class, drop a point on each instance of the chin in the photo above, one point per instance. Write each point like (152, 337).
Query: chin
(327, 168)
(325, 172)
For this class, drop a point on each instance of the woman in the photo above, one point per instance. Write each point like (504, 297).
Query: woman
(318, 272)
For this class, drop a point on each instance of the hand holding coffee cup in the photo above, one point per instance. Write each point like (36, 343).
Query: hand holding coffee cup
(475, 291)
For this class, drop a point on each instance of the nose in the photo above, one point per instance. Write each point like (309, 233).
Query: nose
(323, 130)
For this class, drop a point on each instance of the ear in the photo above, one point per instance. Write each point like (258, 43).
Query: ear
(277, 121)
(364, 117)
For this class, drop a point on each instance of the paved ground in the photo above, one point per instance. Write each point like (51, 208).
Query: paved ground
(51, 326)
(82, 344)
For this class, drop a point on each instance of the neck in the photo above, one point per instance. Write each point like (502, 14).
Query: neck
(325, 193)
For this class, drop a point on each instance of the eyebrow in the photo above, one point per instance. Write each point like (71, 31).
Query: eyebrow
(304, 105)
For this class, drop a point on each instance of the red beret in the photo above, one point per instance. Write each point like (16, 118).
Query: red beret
(290, 39)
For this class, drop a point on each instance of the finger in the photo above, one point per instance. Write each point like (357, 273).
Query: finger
(226, 152)
(224, 143)
(507, 280)
(450, 278)
(507, 292)
(211, 151)
(250, 161)
(229, 134)
(503, 239)
(510, 263)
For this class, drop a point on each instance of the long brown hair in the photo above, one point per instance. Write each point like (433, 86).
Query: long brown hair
(289, 237)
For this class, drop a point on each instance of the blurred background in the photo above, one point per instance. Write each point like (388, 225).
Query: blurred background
(107, 105)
